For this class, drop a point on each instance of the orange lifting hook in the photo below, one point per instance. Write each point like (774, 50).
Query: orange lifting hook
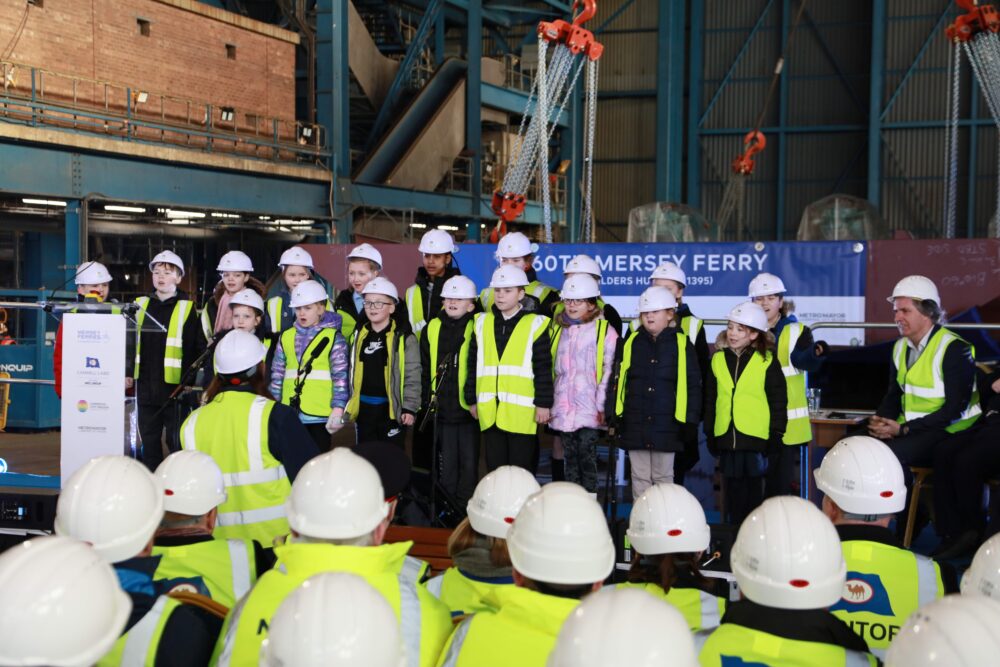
(755, 142)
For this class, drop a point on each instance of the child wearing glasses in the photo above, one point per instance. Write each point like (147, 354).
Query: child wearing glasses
(385, 369)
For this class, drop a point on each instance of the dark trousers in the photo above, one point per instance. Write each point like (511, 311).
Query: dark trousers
(960, 476)
(156, 427)
(320, 436)
(580, 449)
(687, 459)
(458, 456)
(510, 449)
(374, 425)
(782, 470)
(742, 496)
(422, 443)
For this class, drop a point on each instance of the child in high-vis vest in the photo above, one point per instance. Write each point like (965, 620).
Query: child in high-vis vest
(444, 349)
(583, 356)
(658, 395)
(509, 386)
(385, 369)
(162, 357)
(423, 297)
(247, 315)
(235, 269)
(310, 366)
(516, 250)
(745, 408)
(296, 267)
(364, 264)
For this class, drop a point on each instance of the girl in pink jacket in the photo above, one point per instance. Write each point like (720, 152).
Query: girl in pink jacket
(583, 352)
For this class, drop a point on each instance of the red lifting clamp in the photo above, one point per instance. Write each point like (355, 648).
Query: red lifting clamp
(977, 19)
(573, 35)
(755, 143)
(508, 205)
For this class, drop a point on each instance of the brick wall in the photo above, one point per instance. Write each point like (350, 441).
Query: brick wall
(184, 54)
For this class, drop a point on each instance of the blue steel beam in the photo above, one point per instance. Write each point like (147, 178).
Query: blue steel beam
(614, 16)
(935, 33)
(875, 102)
(451, 204)
(333, 98)
(512, 101)
(474, 110)
(74, 236)
(695, 73)
(782, 194)
(669, 100)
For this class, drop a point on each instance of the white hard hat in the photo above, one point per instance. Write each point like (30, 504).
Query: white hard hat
(92, 273)
(749, 314)
(192, 483)
(61, 606)
(580, 286)
(957, 631)
(366, 251)
(916, 287)
(765, 284)
(667, 519)
(583, 264)
(459, 287)
(337, 495)
(380, 285)
(333, 619)
(112, 502)
(306, 293)
(509, 276)
(624, 626)
(238, 351)
(295, 256)
(437, 242)
(167, 257)
(515, 244)
(983, 575)
(669, 271)
(247, 297)
(560, 536)
(863, 476)
(234, 260)
(656, 298)
(787, 555)
(498, 498)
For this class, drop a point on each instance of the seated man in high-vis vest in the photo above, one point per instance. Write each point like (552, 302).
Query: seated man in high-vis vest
(863, 486)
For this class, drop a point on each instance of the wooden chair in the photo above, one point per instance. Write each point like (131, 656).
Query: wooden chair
(920, 483)
(429, 544)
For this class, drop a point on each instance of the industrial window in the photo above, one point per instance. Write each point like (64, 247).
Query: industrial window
(231, 51)
(143, 27)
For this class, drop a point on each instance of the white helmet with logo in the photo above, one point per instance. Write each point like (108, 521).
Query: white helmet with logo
(459, 287)
(92, 273)
(498, 498)
(333, 619)
(624, 626)
(862, 476)
(112, 502)
(509, 276)
(916, 287)
(580, 286)
(515, 245)
(957, 631)
(983, 575)
(765, 284)
(337, 495)
(749, 314)
(307, 293)
(560, 536)
(247, 297)
(366, 251)
(583, 264)
(667, 519)
(238, 351)
(787, 555)
(296, 256)
(669, 271)
(61, 606)
(383, 286)
(656, 298)
(192, 483)
(234, 260)
(167, 257)
(437, 242)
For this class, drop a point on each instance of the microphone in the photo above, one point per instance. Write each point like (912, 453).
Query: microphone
(304, 371)
(320, 346)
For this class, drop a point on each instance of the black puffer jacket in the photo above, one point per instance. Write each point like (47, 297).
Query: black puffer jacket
(430, 292)
(450, 411)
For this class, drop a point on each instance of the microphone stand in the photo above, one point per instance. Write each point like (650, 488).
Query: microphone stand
(304, 371)
(431, 417)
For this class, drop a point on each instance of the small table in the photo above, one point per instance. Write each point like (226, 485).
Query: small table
(828, 427)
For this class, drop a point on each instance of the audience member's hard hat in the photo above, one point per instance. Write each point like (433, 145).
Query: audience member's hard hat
(92, 273)
(61, 606)
(383, 286)
(515, 245)
(787, 555)
(983, 575)
(583, 264)
(192, 483)
(509, 276)
(247, 297)
(916, 287)
(333, 619)
(112, 502)
(238, 351)
(580, 286)
(749, 314)
(366, 251)
(498, 498)
(862, 476)
(235, 260)
(561, 537)
(307, 293)
(667, 519)
(167, 257)
(957, 631)
(459, 287)
(765, 284)
(296, 256)
(624, 626)
(656, 298)
(669, 271)
(437, 242)
(337, 495)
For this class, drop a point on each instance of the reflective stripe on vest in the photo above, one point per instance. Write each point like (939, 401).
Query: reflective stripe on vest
(680, 402)
(923, 383)
(601, 333)
(415, 306)
(691, 325)
(799, 430)
(275, 306)
(505, 388)
(434, 585)
(457, 641)
(433, 332)
(709, 610)
(137, 647)
(746, 403)
(409, 609)
(317, 390)
(174, 352)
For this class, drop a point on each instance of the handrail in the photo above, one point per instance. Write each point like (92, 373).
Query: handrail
(874, 325)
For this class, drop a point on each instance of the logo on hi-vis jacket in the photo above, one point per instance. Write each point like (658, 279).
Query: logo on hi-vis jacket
(864, 592)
